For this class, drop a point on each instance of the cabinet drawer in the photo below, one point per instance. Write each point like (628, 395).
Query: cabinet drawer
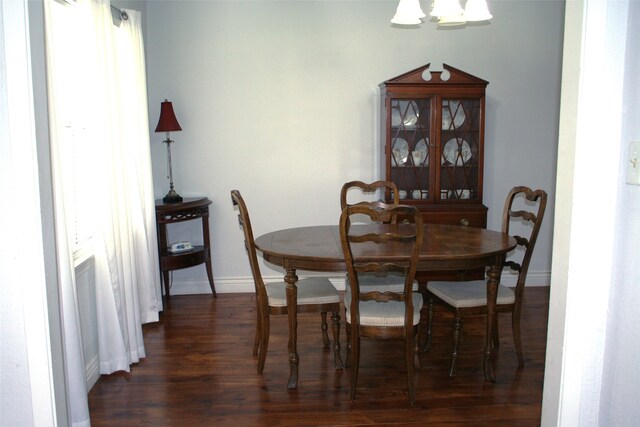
(473, 217)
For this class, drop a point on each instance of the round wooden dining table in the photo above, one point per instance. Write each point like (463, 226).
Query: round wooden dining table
(444, 247)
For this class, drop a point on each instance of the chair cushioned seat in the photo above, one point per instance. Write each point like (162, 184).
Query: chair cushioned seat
(468, 294)
(391, 313)
(391, 281)
(313, 290)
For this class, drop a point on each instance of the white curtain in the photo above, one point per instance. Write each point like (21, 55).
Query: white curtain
(72, 345)
(97, 97)
(128, 291)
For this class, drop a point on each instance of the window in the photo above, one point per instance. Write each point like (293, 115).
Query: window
(74, 135)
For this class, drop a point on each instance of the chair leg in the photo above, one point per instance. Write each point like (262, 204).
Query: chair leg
(325, 337)
(515, 326)
(457, 329)
(355, 351)
(335, 328)
(265, 330)
(427, 343)
(256, 341)
(416, 347)
(410, 360)
(496, 333)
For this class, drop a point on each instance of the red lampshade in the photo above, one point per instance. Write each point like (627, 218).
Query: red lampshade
(167, 121)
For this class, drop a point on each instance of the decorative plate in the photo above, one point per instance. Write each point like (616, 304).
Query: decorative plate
(407, 110)
(449, 108)
(420, 154)
(456, 154)
(400, 151)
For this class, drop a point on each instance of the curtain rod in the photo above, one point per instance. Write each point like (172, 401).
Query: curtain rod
(123, 14)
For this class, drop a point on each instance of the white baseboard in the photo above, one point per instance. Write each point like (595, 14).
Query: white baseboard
(533, 279)
(92, 371)
(245, 284)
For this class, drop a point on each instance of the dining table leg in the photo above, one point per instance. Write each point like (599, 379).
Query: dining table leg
(292, 314)
(493, 280)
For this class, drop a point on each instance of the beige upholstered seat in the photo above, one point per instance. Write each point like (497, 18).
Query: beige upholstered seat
(382, 312)
(373, 313)
(390, 281)
(469, 294)
(523, 213)
(313, 290)
(315, 295)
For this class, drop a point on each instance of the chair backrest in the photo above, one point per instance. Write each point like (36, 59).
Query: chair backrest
(249, 243)
(530, 210)
(379, 241)
(371, 188)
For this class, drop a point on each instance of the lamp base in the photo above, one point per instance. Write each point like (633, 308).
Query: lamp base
(172, 197)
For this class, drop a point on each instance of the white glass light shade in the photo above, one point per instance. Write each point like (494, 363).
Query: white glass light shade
(451, 20)
(477, 10)
(408, 13)
(419, 10)
(446, 8)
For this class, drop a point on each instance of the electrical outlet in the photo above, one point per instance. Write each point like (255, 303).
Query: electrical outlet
(633, 163)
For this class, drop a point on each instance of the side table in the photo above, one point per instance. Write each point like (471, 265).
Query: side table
(169, 213)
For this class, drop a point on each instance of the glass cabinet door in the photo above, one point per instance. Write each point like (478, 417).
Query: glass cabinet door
(460, 150)
(410, 138)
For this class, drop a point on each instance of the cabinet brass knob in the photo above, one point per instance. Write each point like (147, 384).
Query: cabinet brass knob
(464, 222)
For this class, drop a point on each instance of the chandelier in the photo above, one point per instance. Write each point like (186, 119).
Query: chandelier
(449, 13)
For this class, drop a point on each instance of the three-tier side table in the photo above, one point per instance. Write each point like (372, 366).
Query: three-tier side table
(171, 213)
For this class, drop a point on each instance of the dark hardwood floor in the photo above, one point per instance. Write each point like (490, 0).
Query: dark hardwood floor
(199, 371)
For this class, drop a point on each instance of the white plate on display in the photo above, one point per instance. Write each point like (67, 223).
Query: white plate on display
(400, 151)
(420, 154)
(405, 113)
(450, 152)
(449, 109)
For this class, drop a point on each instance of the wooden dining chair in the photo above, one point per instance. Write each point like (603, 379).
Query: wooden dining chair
(315, 295)
(382, 313)
(355, 191)
(523, 212)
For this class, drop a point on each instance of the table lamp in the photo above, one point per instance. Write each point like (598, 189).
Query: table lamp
(168, 123)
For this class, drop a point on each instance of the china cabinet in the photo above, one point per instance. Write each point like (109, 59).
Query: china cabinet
(433, 133)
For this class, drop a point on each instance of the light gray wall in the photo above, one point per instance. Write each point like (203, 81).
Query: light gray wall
(278, 100)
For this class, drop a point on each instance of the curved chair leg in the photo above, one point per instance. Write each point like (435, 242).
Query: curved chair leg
(515, 326)
(355, 351)
(335, 328)
(457, 329)
(409, 351)
(325, 337)
(427, 343)
(264, 342)
(256, 341)
(496, 333)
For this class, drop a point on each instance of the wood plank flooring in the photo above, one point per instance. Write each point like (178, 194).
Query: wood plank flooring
(199, 371)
